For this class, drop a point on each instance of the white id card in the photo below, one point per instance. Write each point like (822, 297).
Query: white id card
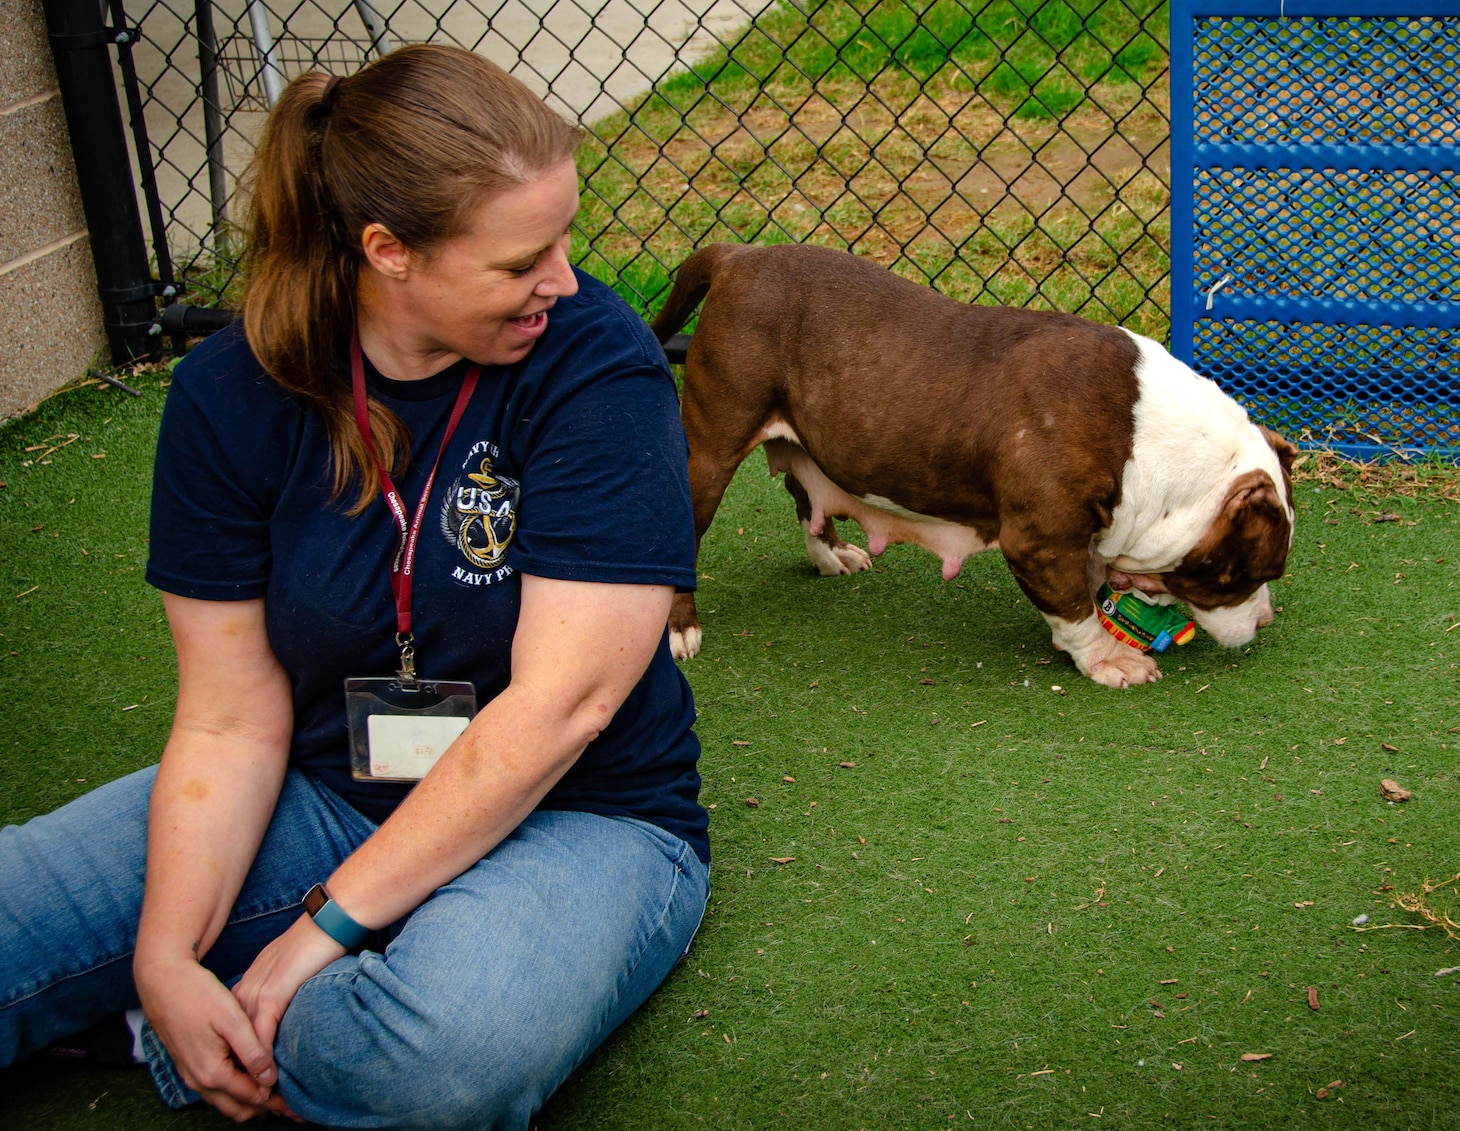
(398, 730)
(404, 746)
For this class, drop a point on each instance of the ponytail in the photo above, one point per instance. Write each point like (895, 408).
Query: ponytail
(415, 142)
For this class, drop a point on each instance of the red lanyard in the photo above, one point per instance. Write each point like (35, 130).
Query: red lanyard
(402, 567)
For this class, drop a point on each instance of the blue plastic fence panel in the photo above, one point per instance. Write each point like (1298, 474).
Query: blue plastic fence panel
(1316, 215)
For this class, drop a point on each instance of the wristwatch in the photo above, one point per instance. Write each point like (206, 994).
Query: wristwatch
(332, 920)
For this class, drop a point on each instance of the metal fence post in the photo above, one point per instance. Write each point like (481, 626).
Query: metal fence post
(375, 28)
(212, 118)
(263, 41)
(79, 42)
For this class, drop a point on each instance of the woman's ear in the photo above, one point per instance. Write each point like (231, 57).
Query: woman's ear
(383, 252)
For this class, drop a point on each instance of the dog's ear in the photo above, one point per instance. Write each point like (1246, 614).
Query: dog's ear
(1246, 544)
(1259, 522)
(1286, 451)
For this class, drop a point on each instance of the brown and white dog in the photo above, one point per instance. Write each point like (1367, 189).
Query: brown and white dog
(1079, 450)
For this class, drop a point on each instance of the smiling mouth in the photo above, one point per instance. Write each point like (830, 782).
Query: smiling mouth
(530, 321)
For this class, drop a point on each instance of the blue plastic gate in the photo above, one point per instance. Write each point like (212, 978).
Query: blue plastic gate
(1316, 215)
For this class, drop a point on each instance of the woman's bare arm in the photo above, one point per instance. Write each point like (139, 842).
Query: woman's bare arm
(216, 788)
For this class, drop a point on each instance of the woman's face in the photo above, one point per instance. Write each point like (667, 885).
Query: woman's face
(486, 294)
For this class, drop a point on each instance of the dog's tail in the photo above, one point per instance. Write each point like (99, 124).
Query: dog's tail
(691, 282)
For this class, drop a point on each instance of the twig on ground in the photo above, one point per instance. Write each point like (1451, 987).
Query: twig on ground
(1417, 903)
(110, 380)
(1099, 895)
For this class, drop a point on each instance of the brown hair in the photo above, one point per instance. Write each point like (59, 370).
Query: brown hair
(415, 141)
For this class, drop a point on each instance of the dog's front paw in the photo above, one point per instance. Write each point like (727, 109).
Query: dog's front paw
(1100, 656)
(1124, 670)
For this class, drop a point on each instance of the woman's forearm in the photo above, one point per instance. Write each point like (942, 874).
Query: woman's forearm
(210, 806)
(220, 775)
(485, 784)
(579, 650)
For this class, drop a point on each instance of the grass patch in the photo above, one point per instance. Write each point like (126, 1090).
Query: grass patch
(1013, 153)
(982, 910)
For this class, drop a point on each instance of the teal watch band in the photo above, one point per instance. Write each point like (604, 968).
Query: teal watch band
(332, 920)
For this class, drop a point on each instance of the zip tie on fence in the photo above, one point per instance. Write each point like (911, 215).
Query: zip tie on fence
(1218, 285)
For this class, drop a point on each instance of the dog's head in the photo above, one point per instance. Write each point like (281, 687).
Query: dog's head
(1224, 576)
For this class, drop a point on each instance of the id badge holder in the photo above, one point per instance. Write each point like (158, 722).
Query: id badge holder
(400, 727)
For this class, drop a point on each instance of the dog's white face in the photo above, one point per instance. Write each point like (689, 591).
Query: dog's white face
(1235, 625)
(1229, 625)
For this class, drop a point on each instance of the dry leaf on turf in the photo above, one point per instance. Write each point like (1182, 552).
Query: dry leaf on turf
(1393, 791)
(752, 802)
(1313, 997)
(788, 859)
(847, 765)
(1251, 1056)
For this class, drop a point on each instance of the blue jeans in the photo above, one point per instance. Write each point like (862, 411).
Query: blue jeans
(482, 1002)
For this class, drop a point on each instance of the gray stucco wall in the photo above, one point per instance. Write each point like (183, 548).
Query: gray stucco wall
(52, 327)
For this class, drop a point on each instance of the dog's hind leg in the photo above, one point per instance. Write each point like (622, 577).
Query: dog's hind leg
(722, 430)
(828, 553)
(708, 478)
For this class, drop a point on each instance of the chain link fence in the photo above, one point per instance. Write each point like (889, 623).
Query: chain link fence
(1011, 151)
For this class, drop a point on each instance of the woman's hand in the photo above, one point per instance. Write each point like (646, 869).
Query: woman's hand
(215, 1049)
(269, 985)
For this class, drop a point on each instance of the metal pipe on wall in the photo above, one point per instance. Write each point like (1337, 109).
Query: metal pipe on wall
(79, 41)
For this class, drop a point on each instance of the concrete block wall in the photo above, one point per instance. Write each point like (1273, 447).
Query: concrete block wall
(52, 324)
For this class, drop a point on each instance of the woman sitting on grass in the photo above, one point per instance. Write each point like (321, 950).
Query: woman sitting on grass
(366, 903)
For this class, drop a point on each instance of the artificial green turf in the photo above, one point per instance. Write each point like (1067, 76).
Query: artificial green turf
(981, 911)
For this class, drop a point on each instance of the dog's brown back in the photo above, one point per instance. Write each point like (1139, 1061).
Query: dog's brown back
(850, 355)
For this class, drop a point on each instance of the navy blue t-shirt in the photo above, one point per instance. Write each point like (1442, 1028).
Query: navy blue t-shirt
(569, 464)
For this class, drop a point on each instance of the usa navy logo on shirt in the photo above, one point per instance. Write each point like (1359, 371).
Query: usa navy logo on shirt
(479, 516)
